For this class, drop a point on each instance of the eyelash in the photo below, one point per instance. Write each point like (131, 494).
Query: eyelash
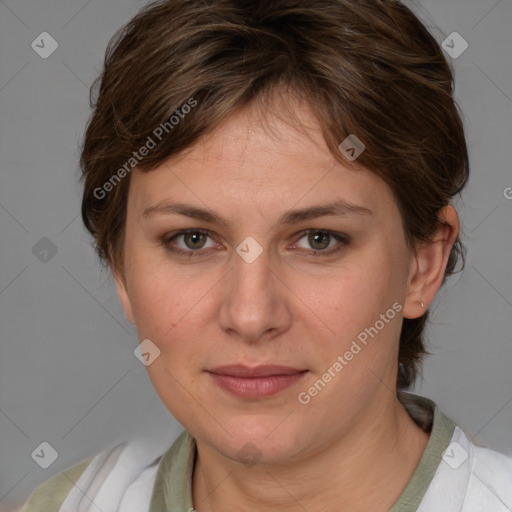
(343, 239)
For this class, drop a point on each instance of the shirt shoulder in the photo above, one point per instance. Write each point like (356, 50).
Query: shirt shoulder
(491, 478)
(470, 478)
(49, 496)
(120, 477)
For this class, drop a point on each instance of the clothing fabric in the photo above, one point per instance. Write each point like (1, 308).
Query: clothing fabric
(144, 475)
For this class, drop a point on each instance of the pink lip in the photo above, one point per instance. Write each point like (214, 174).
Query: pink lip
(257, 382)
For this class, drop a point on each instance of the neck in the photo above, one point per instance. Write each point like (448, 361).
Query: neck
(366, 469)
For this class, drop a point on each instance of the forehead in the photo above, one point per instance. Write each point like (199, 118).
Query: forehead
(263, 158)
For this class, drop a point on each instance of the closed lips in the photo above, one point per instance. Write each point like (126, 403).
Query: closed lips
(259, 371)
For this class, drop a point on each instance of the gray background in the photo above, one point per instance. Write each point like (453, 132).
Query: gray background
(68, 375)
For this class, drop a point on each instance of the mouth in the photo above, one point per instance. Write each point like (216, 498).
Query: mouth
(257, 382)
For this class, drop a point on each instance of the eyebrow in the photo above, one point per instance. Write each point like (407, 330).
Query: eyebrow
(334, 208)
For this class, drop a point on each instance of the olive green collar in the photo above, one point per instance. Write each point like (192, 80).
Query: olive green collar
(172, 490)
(441, 431)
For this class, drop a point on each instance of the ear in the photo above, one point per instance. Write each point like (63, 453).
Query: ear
(428, 264)
(123, 295)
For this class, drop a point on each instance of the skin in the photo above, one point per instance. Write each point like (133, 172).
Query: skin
(353, 447)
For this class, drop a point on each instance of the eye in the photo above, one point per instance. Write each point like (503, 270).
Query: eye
(321, 240)
(194, 242)
(193, 239)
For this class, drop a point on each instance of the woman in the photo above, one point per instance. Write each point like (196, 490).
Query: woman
(271, 186)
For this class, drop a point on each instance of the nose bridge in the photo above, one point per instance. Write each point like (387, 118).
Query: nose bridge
(251, 275)
(251, 301)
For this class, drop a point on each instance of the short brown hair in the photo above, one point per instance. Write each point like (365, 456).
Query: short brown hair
(365, 67)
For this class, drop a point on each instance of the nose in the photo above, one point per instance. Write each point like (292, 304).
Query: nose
(255, 302)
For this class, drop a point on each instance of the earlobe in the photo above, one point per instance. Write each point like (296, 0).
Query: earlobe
(123, 296)
(428, 264)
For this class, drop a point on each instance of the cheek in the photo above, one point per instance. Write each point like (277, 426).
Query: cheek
(359, 292)
(151, 299)
(360, 304)
(155, 293)
(169, 308)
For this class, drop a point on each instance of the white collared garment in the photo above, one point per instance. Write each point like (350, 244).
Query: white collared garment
(146, 475)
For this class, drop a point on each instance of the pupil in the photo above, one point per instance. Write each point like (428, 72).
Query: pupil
(194, 235)
(324, 235)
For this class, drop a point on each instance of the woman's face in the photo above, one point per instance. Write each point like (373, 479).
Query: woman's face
(267, 284)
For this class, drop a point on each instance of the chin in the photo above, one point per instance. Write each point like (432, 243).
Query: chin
(256, 439)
